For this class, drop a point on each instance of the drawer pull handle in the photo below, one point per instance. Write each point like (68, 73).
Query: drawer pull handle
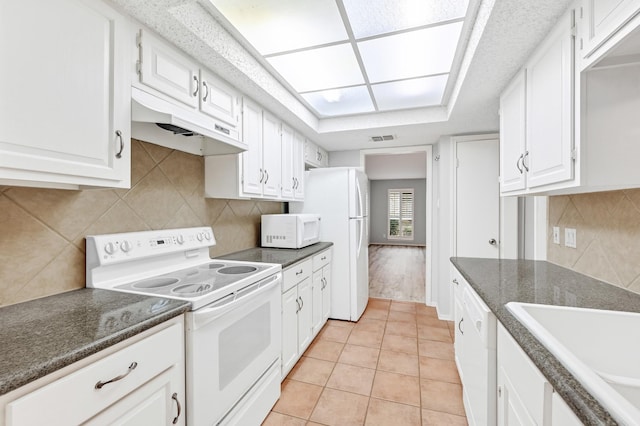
(323, 258)
(175, 398)
(132, 367)
(460, 325)
(455, 281)
(301, 271)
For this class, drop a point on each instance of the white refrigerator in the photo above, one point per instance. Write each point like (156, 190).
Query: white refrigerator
(340, 195)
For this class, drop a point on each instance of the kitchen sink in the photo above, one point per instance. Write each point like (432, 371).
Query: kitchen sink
(600, 348)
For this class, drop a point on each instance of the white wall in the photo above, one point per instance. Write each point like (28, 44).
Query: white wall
(344, 158)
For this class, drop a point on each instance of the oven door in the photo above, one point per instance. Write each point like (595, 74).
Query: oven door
(230, 345)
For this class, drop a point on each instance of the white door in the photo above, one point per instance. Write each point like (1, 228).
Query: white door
(477, 199)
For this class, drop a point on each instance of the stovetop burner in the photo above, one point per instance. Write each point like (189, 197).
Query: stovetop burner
(172, 263)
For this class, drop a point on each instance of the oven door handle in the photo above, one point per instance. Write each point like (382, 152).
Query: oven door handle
(221, 307)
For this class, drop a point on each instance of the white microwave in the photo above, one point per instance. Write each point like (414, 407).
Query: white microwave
(290, 230)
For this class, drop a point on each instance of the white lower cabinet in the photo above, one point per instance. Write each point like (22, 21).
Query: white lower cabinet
(138, 381)
(297, 313)
(321, 289)
(525, 397)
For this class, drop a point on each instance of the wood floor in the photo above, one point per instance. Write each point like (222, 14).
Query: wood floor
(397, 272)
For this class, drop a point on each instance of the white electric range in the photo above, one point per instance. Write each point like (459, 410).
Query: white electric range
(233, 331)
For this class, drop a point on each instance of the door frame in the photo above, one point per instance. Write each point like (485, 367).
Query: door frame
(428, 150)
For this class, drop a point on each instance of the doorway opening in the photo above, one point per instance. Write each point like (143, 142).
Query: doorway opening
(400, 268)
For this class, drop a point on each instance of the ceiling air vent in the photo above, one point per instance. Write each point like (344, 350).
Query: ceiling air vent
(382, 138)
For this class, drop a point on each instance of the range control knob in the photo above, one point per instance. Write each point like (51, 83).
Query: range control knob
(126, 246)
(110, 248)
(199, 236)
(180, 239)
(207, 235)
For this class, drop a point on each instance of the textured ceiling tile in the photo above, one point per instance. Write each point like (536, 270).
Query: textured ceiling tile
(64, 273)
(185, 171)
(154, 199)
(119, 218)
(156, 152)
(26, 246)
(594, 263)
(67, 212)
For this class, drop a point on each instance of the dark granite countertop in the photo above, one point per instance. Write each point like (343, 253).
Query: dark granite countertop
(285, 257)
(44, 335)
(498, 282)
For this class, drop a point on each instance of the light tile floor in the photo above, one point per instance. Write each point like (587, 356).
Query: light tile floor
(395, 366)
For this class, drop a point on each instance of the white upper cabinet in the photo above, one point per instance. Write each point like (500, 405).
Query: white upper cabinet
(537, 116)
(178, 90)
(513, 134)
(292, 164)
(255, 173)
(65, 103)
(602, 19)
(271, 155)
(315, 156)
(549, 111)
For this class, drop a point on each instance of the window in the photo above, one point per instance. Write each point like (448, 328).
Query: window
(401, 214)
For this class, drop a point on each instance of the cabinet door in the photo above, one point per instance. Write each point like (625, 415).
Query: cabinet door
(220, 101)
(298, 166)
(603, 18)
(290, 352)
(550, 72)
(167, 70)
(326, 293)
(323, 157)
(288, 183)
(512, 135)
(65, 103)
(305, 316)
(511, 410)
(317, 301)
(311, 154)
(252, 171)
(159, 402)
(458, 342)
(271, 155)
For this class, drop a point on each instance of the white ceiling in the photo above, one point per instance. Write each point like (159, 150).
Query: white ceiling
(504, 35)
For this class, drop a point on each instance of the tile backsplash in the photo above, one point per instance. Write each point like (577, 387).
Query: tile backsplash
(42, 230)
(608, 235)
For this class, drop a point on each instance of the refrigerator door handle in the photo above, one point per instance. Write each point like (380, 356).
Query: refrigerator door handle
(360, 211)
(360, 237)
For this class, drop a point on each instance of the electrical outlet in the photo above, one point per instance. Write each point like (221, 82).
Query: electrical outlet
(570, 238)
(556, 235)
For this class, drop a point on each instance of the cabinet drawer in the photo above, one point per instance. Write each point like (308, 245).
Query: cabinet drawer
(296, 273)
(321, 259)
(73, 399)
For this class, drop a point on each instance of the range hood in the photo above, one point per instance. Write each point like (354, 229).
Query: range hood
(165, 123)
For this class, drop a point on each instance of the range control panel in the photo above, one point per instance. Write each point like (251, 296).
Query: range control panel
(115, 248)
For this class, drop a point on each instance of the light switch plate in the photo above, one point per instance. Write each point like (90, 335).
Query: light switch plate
(556, 235)
(570, 237)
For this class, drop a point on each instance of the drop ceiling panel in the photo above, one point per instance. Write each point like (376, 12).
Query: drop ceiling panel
(352, 100)
(412, 54)
(414, 93)
(319, 69)
(273, 26)
(374, 17)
